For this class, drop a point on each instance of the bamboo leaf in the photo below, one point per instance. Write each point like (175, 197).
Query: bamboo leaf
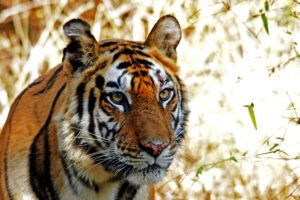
(199, 170)
(252, 115)
(267, 5)
(265, 22)
(273, 147)
(233, 158)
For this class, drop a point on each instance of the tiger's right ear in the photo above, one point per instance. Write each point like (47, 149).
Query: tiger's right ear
(81, 51)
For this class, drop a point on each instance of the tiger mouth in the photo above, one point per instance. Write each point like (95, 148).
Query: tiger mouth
(151, 174)
(151, 169)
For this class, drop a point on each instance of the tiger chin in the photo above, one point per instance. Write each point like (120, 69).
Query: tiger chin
(106, 123)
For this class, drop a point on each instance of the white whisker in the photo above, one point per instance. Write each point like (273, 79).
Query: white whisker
(97, 136)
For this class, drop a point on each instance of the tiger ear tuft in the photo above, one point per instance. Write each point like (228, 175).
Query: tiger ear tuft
(165, 36)
(81, 52)
(76, 28)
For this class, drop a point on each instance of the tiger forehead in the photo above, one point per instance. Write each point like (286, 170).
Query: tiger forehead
(127, 65)
(130, 57)
(113, 45)
(129, 54)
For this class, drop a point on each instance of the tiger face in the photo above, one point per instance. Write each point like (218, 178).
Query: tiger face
(126, 112)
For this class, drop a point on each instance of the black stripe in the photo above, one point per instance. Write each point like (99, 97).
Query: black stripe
(152, 81)
(176, 120)
(113, 49)
(111, 119)
(126, 191)
(142, 53)
(173, 96)
(40, 173)
(136, 46)
(103, 125)
(119, 79)
(128, 52)
(124, 65)
(169, 79)
(99, 82)
(80, 92)
(106, 44)
(179, 91)
(50, 82)
(144, 73)
(103, 97)
(112, 84)
(145, 62)
(174, 109)
(122, 52)
(35, 83)
(47, 166)
(135, 74)
(91, 106)
(102, 65)
(132, 84)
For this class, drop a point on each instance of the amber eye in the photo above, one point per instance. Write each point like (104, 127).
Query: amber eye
(165, 94)
(117, 97)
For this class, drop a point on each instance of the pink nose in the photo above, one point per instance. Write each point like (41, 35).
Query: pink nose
(154, 149)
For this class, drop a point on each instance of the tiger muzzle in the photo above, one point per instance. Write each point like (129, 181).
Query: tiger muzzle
(153, 131)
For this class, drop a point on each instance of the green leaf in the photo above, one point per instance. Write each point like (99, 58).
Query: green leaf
(265, 22)
(251, 113)
(199, 170)
(245, 153)
(273, 147)
(233, 158)
(288, 32)
(266, 5)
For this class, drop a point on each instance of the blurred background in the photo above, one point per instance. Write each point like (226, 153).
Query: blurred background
(240, 62)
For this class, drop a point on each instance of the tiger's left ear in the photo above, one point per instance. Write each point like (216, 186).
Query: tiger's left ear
(81, 51)
(165, 36)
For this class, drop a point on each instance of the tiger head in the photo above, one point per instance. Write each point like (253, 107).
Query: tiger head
(126, 111)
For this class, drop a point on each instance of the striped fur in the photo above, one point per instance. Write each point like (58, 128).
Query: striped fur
(104, 124)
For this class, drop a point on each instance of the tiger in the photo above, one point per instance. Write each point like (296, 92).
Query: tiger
(106, 123)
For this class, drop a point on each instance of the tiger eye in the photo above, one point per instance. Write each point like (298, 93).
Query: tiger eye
(164, 94)
(117, 97)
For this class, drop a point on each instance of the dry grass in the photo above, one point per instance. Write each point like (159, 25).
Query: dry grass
(227, 61)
